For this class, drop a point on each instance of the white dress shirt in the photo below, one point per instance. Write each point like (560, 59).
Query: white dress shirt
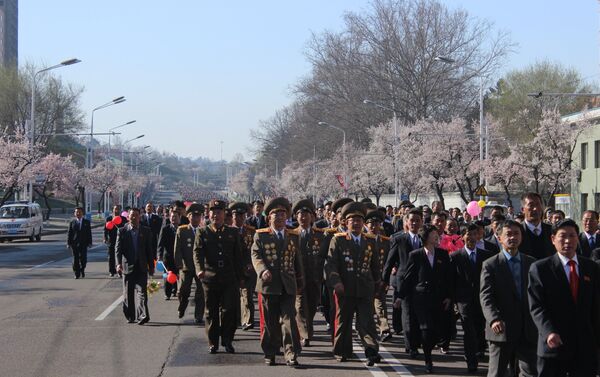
(430, 256)
(565, 263)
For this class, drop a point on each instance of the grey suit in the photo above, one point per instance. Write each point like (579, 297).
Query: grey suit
(500, 301)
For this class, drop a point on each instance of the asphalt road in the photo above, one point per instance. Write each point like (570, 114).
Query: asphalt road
(54, 325)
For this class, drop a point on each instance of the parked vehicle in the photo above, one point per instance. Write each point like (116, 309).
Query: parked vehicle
(21, 220)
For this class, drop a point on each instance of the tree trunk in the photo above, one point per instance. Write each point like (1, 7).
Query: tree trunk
(7, 194)
(440, 193)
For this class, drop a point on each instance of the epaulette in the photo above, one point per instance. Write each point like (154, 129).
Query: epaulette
(341, 234)
(318, 230)
(293, 231)
(263, 230)
(369, 235)
(330, 230)
(385, 238)
(182, 226)
(250, 227)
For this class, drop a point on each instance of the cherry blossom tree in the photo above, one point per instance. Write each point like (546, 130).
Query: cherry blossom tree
(103, 177)
(17, 161)
(53, 175)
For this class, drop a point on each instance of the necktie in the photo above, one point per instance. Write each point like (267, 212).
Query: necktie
(473, 257)
(573, 279)
(536, 231)
(415, 242)
(279, 236)
(516, 273)
(592, 241)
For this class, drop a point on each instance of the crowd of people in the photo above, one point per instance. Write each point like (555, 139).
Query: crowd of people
(524, 286)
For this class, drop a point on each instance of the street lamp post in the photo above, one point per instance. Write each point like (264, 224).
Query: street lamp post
(123, 164)
(32, 112)
(110, 132)
(345, 157)
(394, 145)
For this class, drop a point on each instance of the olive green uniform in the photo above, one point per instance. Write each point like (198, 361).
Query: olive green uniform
(184, 260)
(357, 268)
(247, 292)
(313, 257)
(382, 246)
(218, 252)
(276, 299)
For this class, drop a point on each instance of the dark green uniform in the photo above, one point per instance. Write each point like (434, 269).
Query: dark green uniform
(247, 292)
(184, 260)
(382, 246)
(357, 268)
(218, 252)
(313, 258)
(276, 299)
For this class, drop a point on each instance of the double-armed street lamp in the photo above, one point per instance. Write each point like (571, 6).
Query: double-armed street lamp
(111, 132)
(32, 112)
(345, 157)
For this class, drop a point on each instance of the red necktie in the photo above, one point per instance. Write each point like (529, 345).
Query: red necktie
(573, 280)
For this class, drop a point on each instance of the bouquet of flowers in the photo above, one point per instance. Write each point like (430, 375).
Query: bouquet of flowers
(153, 286)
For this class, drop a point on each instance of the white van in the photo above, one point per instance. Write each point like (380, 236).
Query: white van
(21, 220)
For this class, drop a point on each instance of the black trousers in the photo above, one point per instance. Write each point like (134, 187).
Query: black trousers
(221, 302)
(578, 367)
(112, 265)
(504, 356)
(135, 295)
(410, 325)
(79, 258)
(473, 324)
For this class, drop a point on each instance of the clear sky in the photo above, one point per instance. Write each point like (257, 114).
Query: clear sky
(197, 72)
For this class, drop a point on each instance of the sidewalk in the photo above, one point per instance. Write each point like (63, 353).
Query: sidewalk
(58, 225)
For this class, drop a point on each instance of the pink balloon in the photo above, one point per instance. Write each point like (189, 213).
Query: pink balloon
(124, 214)
(473, 209)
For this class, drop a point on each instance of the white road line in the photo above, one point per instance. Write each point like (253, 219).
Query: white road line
(108, 310)
(375, 370)
(393, 362)
(40, 265)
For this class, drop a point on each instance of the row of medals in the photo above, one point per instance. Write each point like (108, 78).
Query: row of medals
(349, 261)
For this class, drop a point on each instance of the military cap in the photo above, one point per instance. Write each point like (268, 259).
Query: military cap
(239, 207)
(353, 209)
(366, 200)
(280, 203)
(374, 215)
(328, 203)
(228, 212)
(194, 208)
(216, 204)
(369, 205)
(304, 205)
(338, 204)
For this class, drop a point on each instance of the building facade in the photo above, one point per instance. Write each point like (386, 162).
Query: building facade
(9, 32)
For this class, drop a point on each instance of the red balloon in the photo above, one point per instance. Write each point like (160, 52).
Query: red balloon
(110, 225)
(171, 277)
(117, 220)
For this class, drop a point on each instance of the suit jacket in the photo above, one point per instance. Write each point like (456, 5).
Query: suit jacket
(554, 310)
(218, 252)
(184, 249)
(257, 222)
(492, 244)
(152, 221)
(355, 266)
(530, 240)
(428, 286)
(166, 246)
(400, 247)
(125, 250)
(79, 237)
(500, 301)
(110, 236)
(282, 258)
(467, 275)
(584, 245)
(313, 254)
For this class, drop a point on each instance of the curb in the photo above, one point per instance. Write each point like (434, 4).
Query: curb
(61, 231)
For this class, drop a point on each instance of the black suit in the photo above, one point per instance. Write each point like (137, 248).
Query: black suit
(110, 239)
(428, 286)
(258, 222)
(537, 246)
(400, 247)
(166, 247)
(500, 301)
(584, 245)
(492, 244)
(466, 296)
(136, 256)
(554, 311)
(154, 223)
(79, 238)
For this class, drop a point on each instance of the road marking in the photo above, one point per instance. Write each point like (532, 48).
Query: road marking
(393, 362)
(375, 370)
(387, 357)
(108, 310)
(40, 265)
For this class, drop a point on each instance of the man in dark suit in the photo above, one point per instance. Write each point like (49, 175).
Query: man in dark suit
(503, 294)
(536, 234)
(588, 239)
(483, 243)
(257, 220)
(492, 242)
(564, 297)
(79, 238)
(166, 251)
(110, 238)
(401, 244)
(135, 260)
(154, 222)
(467, 263)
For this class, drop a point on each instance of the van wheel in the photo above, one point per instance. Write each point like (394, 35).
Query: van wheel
(38, 238)
(32, 238)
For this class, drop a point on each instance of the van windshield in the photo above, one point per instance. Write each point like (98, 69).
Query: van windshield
(14, 212)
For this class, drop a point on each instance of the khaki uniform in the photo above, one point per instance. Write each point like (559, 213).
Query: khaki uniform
(247, 292)
(313, 258)
(382, 247)
(184, 260)
(276, 299)
(357, 268)
(218, 252)
(327, 298)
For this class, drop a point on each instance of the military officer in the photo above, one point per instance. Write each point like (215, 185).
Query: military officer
(374, 221)
(218, 262)
(246, 231)
(278, 264)
(184, 260)
(353, 271)
(313, 258)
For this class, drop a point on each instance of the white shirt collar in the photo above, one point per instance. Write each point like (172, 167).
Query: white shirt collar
(532, 227)
(469, 252)
(356, 238)
(590, 235)
(564, 260)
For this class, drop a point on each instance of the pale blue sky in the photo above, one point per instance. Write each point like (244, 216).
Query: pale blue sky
(198, 72)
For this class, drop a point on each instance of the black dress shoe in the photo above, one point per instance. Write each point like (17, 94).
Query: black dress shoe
(372, 360)
(229, 348)
(247, 326)
(212, 350)
(199, 322)
(143, 320)
(131, 321)
(444, 350)
(180, 313)
(167, 298)
(305, 343)
(385, 336)
(472, 369)
(270, 360)
(429, 367)
(341, 359)
(76, 277)
(82, 273)
(292, 363)
(414, 354)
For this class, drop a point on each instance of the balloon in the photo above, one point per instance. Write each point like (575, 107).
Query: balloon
(171, 277)
(481, 203)
(118, 220)
(165, 275)
(473, 209)
(110, 225)
(187, 203)
(160, 267)
(124, 214)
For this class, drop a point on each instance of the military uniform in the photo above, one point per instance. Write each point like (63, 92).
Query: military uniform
(247, 292)
(218, 253)
(382, 247)
(356, 267)
(277, 297)
(184, 260)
